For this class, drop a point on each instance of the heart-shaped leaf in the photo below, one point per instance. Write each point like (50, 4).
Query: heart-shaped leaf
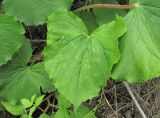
(80, 64)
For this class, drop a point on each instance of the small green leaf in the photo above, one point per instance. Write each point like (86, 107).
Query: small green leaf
(26, 103)
(39, 100)
(37, 103)
(33, 98)
(11, 37)
(34, 12)
(80, 64)
(14, 109)
(32, 110)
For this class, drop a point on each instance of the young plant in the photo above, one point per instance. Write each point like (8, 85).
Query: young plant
(26, 108)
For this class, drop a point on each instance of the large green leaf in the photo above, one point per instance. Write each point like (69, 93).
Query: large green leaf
(140, 47)
(78, 63)
(34, 12)
(106, 15)
(11, 37)
(18, 81)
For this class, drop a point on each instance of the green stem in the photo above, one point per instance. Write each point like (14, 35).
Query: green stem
(113, 6)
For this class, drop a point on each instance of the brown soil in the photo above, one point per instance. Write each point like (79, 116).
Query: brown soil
(120, 104)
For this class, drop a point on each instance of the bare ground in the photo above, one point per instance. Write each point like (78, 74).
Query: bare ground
(117, 102)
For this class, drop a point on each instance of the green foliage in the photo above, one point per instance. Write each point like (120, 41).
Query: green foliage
(90, 60)
(62, 113)
(37, 103)
(14, 109)
(79, 55)
(17, 80)
(26, 103)
(82, 112)
(63, 103)
(21, 109)
(34, 12)
(10, 39)
(140, 46)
